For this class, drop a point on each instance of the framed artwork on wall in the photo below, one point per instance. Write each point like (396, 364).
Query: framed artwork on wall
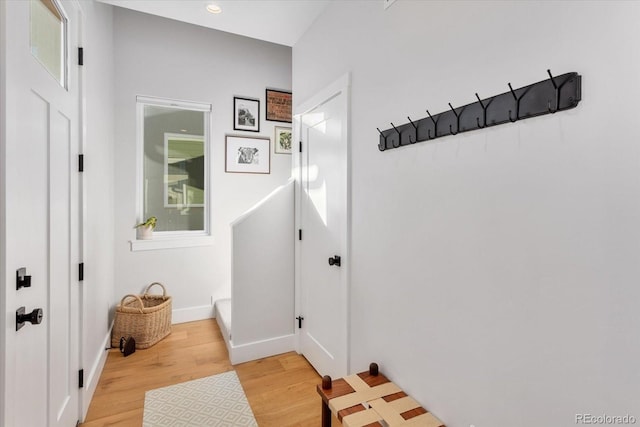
(282, 140)
(278, 105)
(246, 114)
(247, 154)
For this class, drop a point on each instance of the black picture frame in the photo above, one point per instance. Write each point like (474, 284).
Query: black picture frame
(278, 105)
(246, 114)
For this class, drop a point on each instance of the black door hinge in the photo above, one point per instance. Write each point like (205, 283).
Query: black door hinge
(81, 163)
(299, 319)
(299, 234)
(81, 272)
(301, 146)
(80, 56)
(81, 378)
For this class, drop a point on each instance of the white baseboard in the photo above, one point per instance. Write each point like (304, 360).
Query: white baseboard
(259, 349)
(190, 314)
(225, 334)
(91, 380)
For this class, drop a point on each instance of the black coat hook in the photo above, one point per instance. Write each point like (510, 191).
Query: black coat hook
(399, 136)
(484, 113)
(557, 90)
(457, 121)
(553, 81)
(512, 92)
(435, 127)
(412, 124)
(380, 147)
(517, 106)
(411, 140)
(518, 99)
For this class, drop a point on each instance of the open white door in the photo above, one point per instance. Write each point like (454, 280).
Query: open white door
(324, 220)
(41, 361)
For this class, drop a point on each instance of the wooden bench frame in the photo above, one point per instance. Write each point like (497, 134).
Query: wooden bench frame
(370, 399)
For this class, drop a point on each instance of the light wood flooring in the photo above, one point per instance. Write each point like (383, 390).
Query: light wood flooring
(281, 389)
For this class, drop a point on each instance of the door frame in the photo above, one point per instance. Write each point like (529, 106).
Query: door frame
(3, 136)
(84, 393)
(341, 85)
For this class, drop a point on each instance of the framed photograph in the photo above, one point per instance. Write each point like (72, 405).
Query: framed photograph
(247, 154)
(278, 105)
(282, 140)
(246, 114)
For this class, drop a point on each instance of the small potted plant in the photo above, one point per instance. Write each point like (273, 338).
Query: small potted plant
(144, 230)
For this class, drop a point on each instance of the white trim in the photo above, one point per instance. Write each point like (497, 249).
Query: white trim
(174, 103)
(91, 380)
(85, 394)
(191, 314)
(341, 84)
(183, 241)
(347, 271)
(139, 159)
(259, 349)
(3, 156)
(254, 350)
(224, 328)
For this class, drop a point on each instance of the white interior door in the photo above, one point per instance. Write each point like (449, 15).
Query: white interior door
(42, 218)
(324, 221)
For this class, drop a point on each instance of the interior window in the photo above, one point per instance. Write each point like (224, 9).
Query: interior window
(48, 37)
(174, 165)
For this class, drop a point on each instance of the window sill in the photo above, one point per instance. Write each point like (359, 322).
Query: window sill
(170, 243)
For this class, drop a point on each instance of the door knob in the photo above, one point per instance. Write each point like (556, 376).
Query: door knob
(35, 317)
(335, 260)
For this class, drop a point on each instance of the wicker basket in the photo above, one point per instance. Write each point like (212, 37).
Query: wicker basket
(147, 318)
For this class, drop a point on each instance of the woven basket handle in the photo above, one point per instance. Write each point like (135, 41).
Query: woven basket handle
(164, 291)
(134, 296)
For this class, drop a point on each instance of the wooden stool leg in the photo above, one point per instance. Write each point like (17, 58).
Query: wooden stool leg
(326, 412)
(326, 415)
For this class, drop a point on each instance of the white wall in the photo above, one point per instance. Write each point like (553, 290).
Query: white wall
(495, 273)
(98, 178)
(262, 270)
(163, 58)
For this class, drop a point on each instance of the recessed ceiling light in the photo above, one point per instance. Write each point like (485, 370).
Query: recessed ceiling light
(214, 8)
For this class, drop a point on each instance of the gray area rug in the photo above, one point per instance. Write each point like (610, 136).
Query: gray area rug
(218, 400)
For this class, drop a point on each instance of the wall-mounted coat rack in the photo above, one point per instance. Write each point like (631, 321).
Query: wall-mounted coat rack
(546, 97)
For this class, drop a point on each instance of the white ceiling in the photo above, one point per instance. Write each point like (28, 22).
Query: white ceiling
(276, 21)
